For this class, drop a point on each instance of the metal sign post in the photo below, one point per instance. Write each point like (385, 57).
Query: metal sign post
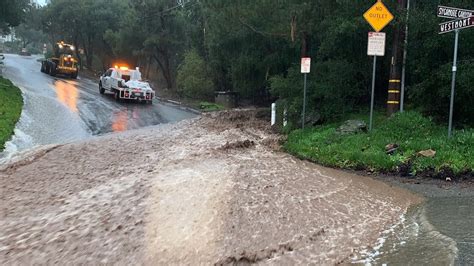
(375, 47)
(304, 101)
(453, 84)
(305, 69)
(372, 95)
(463, 19)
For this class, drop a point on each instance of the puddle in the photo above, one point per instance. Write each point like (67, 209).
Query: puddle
(439, 232)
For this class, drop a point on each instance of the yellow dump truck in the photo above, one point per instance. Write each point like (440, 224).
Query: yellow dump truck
(63, 62)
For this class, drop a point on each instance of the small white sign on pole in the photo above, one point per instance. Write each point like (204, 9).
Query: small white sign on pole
(305, 65)
(376, 45)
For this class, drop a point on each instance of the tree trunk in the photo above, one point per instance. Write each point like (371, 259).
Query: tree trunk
(90, 56)
(305, 44)
(88, 50)
(148, 66)
(78, 54)
(164, 71)
(169, 75)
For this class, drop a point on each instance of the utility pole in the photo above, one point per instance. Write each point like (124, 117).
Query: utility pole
(405, 48)
(393, 102)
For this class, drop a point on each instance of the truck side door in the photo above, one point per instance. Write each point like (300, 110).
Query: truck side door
(114, 79)
(106, 79)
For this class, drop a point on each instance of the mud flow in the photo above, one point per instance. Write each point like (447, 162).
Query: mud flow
(210, 190)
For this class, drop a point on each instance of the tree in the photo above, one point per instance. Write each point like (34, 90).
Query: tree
(193, 77)
(11, 14)
(254, 48)
(30, 32)
(84, 23)
(430, 59)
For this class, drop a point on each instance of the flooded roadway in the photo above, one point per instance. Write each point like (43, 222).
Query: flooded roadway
(438, 232)
(59, 110)
(188, 193)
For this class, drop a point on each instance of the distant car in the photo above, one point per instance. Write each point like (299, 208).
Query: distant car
(126, 83)
(25, 52)
(2, 57)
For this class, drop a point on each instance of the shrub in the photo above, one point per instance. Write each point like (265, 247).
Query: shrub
(193, 78)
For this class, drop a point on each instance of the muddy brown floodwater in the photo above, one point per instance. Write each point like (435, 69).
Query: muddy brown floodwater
(212, 190)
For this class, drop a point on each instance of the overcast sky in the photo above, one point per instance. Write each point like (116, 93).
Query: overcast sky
(41, 2)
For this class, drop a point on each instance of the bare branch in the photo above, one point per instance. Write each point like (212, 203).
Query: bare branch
(261, 32)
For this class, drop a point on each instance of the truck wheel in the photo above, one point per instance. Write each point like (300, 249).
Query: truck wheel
(46, 68)
(52, 70)
(74, 75)
(117, 95)
(101, 89)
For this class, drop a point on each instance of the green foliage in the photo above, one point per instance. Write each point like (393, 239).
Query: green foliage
(11, 104)
(329, 93)
(193, 77)
(83, 23)
(30, 32)
(430, 59)
(210, 107)
(411, 131)
(254, 48)
(11, 14)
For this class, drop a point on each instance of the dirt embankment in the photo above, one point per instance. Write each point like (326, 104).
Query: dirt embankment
(213, 190)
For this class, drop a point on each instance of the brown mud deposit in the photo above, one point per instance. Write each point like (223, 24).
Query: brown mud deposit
(212, 190)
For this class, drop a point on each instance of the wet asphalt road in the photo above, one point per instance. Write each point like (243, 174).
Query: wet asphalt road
(59, 109)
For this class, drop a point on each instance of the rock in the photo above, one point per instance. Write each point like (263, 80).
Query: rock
(238, 145)
(427, 153)
(352, 127)
(312, 119)
(391, 148)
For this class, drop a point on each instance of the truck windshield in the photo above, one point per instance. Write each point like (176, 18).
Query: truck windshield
(126, 77)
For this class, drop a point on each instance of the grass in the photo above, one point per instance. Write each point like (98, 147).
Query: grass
(11, 104)
(366, 151)
(210, 107)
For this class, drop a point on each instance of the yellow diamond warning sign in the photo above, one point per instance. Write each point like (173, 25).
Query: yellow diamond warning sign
(378, 16)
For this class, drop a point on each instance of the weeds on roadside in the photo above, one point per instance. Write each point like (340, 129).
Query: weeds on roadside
(11, 104)
(366, 151)
(210, 107)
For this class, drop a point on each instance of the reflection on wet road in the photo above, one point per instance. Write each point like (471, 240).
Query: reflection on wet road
(67, 94)
(59, 110)
(120, 121)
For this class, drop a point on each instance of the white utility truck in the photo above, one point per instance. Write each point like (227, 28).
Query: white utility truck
(126, 83)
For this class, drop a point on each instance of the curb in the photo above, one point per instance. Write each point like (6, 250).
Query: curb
(179, 105)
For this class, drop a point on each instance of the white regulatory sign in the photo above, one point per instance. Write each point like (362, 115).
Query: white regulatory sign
(305, 65)
(376, 45)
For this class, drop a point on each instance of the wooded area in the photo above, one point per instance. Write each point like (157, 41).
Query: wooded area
(254, 48)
